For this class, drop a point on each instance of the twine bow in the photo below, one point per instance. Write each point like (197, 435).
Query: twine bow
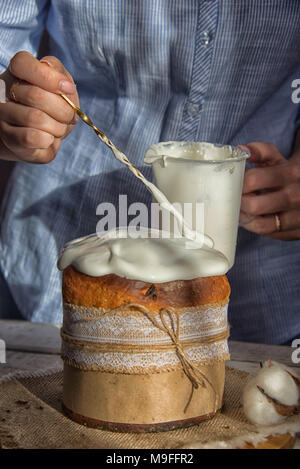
(195, 376)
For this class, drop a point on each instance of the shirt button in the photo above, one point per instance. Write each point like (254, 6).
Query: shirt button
(204, 38)
(192, 109)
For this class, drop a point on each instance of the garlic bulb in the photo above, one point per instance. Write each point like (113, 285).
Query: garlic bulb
(272, 395)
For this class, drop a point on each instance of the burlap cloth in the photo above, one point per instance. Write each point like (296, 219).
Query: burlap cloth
(31, 417)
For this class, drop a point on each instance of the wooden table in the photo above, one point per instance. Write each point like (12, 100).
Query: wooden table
(36, 346)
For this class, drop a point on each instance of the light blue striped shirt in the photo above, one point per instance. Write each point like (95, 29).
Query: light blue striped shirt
(149, 71)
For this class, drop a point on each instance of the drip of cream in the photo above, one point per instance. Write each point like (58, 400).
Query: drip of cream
(159, 196)
(194, 151)
(149, 259)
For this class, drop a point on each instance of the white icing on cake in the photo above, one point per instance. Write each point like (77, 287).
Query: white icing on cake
(148, 259)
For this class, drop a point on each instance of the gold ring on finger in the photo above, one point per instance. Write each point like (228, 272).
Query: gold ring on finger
(277, 222)
(12, 91)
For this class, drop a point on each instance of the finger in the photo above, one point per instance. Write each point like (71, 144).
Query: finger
(292, 235)
(263, 204)
(271, 177)
(18, 139)
(26, 67)
(6, 154)
(52, 104)
(37, 156)
(245, 218)
(43, 156)
(25, 116)
(54, 62)
(267, 224)
(262, 153)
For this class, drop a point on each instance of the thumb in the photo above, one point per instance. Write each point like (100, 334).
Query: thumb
(263, 154)
(24, 67)
(55, 63)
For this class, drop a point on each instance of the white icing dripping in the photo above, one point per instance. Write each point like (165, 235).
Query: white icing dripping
(148, 259)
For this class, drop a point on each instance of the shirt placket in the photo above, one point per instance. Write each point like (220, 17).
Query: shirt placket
(204, 39)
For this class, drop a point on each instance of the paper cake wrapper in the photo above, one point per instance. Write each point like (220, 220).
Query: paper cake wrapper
(140, 371)
(140, 403)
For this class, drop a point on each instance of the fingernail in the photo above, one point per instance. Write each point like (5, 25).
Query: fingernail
(67, 87)
(244, 147)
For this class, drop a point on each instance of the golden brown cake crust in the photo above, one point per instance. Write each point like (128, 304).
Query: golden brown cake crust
(111, 291)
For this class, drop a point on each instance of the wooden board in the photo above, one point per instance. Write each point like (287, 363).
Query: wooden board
(286, 441)
(30, 336)
(43, 341)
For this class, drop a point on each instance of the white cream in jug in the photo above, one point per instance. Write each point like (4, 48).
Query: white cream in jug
(160, 197)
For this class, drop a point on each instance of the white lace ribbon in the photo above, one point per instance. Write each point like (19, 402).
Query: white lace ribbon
(94, 326)
(137, 329)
